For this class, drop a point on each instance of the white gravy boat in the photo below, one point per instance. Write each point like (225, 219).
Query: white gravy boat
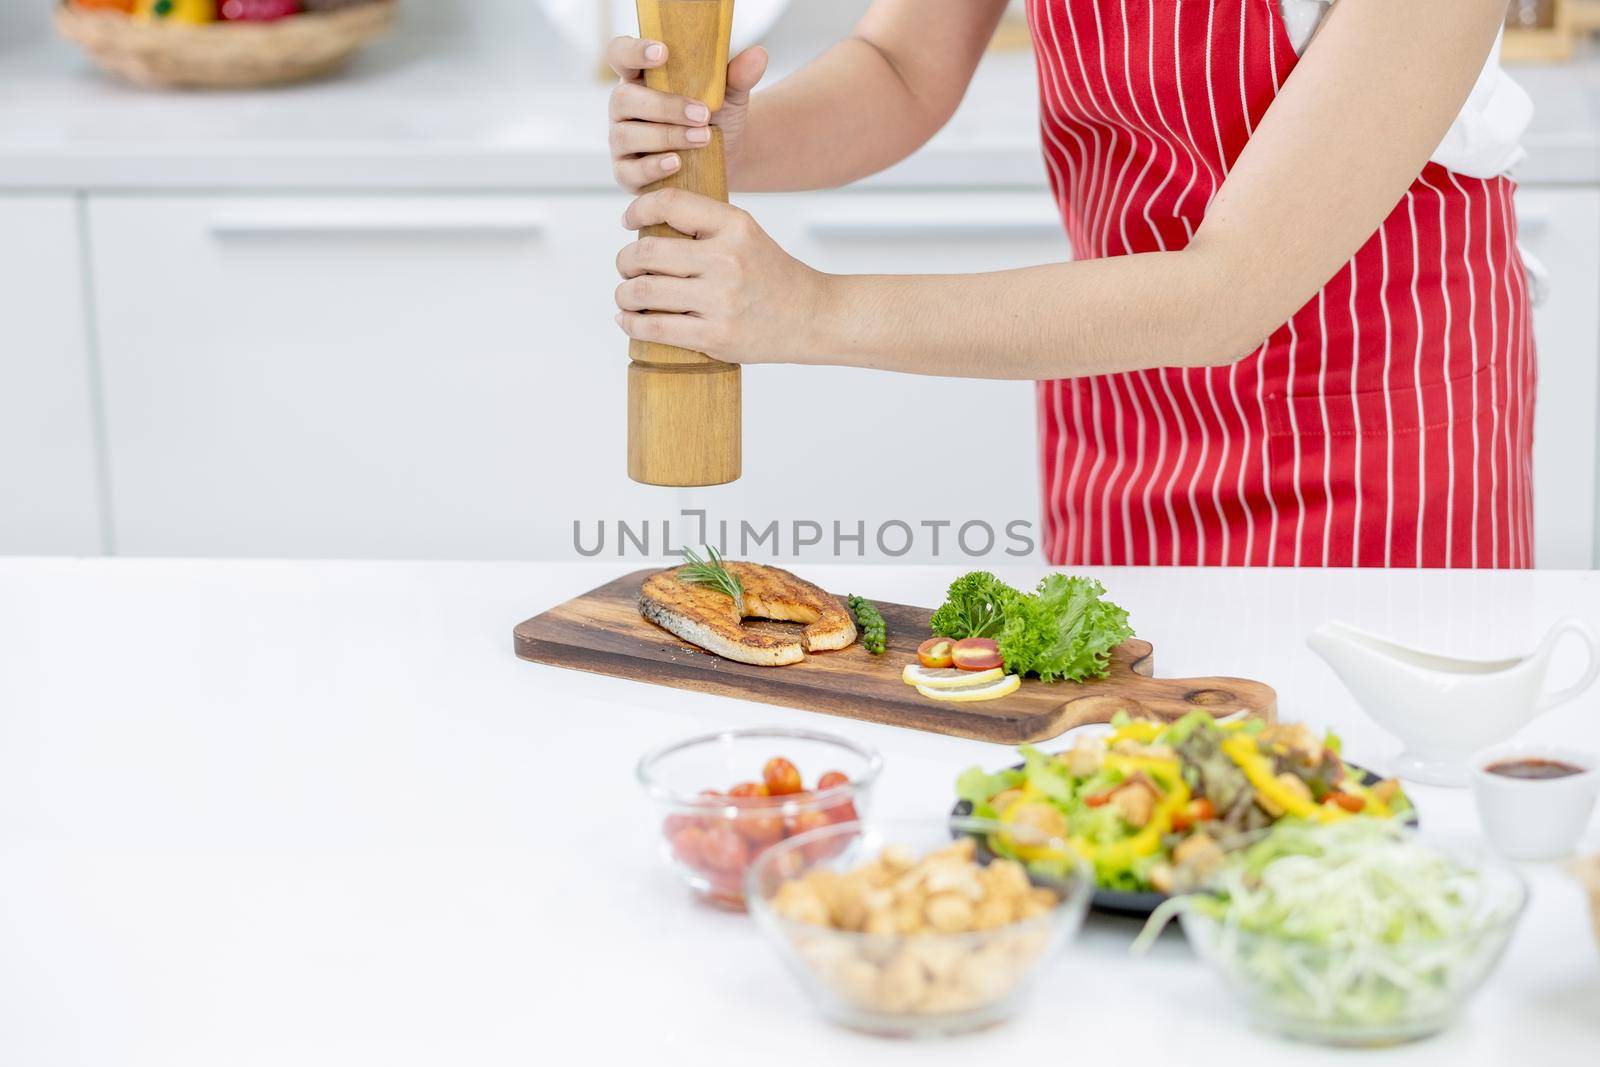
(1445, 709)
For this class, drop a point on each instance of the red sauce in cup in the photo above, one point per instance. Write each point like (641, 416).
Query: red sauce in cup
(1533, 768)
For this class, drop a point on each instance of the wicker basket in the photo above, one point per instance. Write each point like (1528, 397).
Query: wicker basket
(224, 55)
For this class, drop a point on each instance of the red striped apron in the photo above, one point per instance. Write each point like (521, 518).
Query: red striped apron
(1388, 423)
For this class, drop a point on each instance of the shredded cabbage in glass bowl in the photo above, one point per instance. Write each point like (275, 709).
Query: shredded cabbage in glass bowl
(1355, 933)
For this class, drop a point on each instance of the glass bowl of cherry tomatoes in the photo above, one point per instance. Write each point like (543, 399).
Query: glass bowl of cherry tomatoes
(725, 798)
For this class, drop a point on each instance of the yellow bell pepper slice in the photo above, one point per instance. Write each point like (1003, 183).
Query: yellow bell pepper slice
(1119, 855)
(192, 12)
(1258, 771)
(1143, 731)
(1375, 807)
(1166, 771)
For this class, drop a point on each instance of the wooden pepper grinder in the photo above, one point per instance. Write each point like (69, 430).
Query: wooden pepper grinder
(683, 406)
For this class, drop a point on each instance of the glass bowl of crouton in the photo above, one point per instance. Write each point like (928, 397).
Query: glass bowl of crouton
(906, 928)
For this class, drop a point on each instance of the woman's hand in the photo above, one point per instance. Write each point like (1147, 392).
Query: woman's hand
(731, 292)
(649, 128)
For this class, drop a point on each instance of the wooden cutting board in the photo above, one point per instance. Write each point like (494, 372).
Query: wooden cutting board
(602, 632)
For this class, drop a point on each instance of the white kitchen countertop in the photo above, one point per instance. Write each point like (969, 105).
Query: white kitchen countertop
(473, 95)
(318, 813)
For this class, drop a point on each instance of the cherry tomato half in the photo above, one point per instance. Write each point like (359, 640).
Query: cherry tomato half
(782, 777)
(845, 811)
(759, 831)
(935, 652)
(1346, 801)
(1197, 811)
(724, 850)
(812, 820)
(726, 888)
(686, 843)
(808, 820)
(712, 816)
(748, 789)
(976, 654)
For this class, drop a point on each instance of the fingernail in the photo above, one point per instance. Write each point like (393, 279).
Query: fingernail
(697, 113)
(655, 53)
(625, 218)
(669, 163)
(618, 318)
(699, 134)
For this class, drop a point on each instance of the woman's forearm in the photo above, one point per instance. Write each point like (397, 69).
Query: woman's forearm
(842, 117)
(1058, 321)
(869, 101)
(734, 294)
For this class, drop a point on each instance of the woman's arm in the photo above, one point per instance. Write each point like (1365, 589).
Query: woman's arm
(1351, 129)
(863, 105)
(869, 101)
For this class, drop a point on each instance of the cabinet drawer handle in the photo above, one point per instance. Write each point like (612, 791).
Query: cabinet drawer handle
(303, 222)
(870, 229)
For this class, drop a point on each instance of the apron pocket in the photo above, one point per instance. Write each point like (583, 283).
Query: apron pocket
(1385, 412)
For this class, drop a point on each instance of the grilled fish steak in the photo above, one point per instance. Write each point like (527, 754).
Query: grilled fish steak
(708, 618)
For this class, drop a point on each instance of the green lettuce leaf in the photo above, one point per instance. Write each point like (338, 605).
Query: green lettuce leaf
(1047, 775)
(1065, 630)
(977, 786)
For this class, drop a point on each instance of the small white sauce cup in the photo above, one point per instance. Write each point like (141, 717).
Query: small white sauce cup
(1535, 818)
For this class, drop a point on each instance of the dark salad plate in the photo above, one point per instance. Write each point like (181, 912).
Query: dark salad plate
(1140, 905)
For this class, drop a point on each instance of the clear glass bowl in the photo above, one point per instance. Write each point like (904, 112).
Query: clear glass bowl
(1379, 994)
(711, 840)
(919, 985)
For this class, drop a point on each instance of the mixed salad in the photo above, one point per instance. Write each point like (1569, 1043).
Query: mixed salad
(1155, 805)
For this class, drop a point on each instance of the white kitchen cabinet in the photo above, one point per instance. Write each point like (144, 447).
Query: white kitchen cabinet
(49, 492)
(306, 376)
(440, 377)
(915, 233)
(1561, 229)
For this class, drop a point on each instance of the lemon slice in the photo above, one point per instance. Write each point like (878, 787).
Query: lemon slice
(989, 690)
(947, 677)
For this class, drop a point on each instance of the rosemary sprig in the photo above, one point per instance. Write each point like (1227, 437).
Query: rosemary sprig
(713, 572)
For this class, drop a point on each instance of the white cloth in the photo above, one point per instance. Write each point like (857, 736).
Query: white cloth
(1486, 138)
